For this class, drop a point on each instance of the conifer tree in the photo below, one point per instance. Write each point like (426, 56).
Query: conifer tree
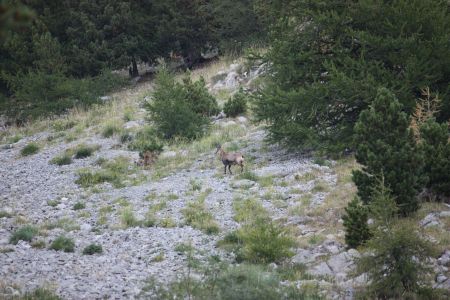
(386, 149)
(355, 223)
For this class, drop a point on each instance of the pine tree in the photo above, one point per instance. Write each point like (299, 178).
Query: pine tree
(436, 147)
(355, 223)
(328, 58)
(386, 149)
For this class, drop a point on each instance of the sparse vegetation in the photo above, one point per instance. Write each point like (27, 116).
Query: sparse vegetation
(92, 249)
(110, 129)
(63, 243)
(198, 217)
(128, 219)
(83, 151)
(30, 149)
(79, 205)
(61, 160)
(26, 233)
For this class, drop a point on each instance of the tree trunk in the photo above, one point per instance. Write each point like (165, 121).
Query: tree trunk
(134, 71)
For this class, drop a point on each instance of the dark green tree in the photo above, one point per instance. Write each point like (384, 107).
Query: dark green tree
(386, 149)
(355, 223)
(328, 58)
(180, 110)
(436, 148)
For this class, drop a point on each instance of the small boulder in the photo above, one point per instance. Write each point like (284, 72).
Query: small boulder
(321, 269)
(430, 220)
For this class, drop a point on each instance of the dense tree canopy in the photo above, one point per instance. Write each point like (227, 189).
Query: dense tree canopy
(328, 58)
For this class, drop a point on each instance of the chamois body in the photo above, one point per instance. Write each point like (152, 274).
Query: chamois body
(230, 159)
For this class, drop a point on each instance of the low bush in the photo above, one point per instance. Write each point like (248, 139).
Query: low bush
(26, 233)
(264, 241)
(40, 294)
(92, 249)
(63, 243)
(30, 149)
(63, 159)
(83, 151)
(236, 105)
(78, 206)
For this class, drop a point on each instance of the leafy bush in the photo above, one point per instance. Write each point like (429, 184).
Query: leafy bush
(92, 249)
(355, 223)
(386, 148)
(30, 149)
(180, 110)
(63, 243)
(63, 159)
(25, 233)
(236, 105)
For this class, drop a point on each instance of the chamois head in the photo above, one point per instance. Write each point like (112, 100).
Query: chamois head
(218, 147)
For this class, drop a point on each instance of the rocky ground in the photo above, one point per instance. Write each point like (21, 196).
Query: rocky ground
(303, 193)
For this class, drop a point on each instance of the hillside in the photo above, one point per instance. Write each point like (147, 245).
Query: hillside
(147, 219)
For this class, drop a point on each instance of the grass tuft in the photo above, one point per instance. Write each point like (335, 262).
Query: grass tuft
(92, 249)
(26, 233)
(30, 149)
(63, 243)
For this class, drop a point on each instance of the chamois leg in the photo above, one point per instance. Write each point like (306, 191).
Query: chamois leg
(242, 168)
(225, 169)
(229, 169)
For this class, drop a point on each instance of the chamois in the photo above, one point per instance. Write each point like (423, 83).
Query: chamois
(229, 159)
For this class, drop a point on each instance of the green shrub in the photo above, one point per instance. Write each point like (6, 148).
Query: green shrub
(111, 129)
(236, 105)
(63, 159)
(83, 151)
(386, 148)
(63, 243)
(146, 141)
(78, 206)
(26, 233)
(30, 149)
(92, 249)
(180, 110)
(355, 223)
(63, 124)
(4, 214)
(263, 241)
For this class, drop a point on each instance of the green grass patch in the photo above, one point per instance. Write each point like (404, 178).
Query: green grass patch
(115, 172)
(197, 216)
(26, 233)
(245, 211)
(92, 249)
(4, 214)
(83, 151)
(66, 224)
(110, 129)
(61, 160)
(63, 243)
(79, 205)
(30, 149)
(128, 218)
